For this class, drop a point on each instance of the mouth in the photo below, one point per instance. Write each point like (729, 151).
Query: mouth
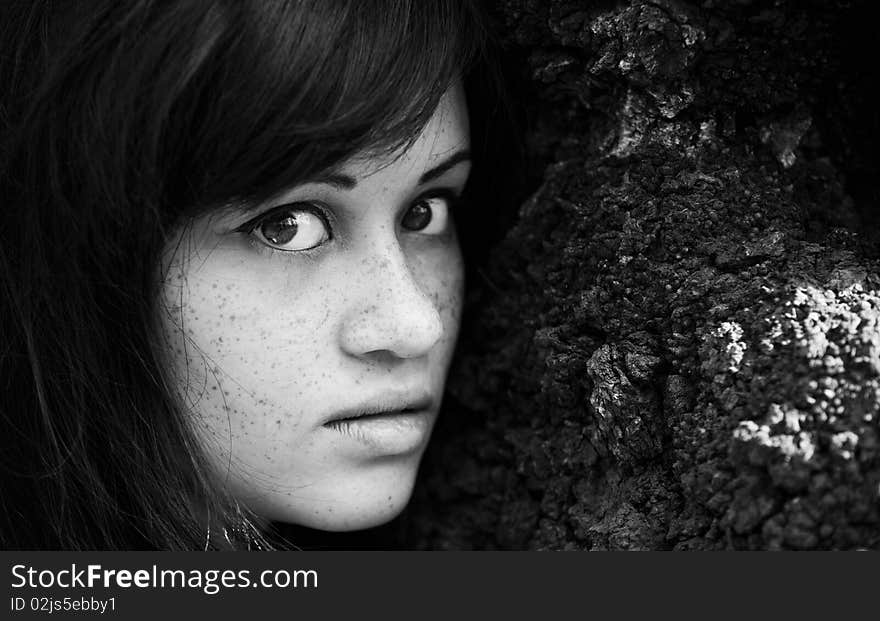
(387, 425)
(385, 406)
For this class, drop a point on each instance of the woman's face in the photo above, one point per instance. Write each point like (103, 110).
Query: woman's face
(311, 337)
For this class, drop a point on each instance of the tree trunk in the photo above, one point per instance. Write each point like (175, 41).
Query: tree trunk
(677, 344)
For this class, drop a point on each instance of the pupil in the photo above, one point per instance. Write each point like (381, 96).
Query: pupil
(280, 231)
(417, 218)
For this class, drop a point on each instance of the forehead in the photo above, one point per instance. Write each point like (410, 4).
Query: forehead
(446, 132)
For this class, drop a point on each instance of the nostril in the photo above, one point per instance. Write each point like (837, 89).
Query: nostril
(390, 338)
(400, 326)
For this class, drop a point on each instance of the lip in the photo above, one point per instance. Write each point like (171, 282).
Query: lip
(384, 403)
(388, 423)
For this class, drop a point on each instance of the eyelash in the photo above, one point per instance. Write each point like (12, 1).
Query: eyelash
(249, 228)
(453, 200)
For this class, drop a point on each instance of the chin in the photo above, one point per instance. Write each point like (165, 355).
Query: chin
(345, 519)
(345, 502)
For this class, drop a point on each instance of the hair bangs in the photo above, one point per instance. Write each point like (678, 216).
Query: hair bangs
(310, 83)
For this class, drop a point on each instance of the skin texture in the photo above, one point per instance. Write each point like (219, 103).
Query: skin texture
(266, 345)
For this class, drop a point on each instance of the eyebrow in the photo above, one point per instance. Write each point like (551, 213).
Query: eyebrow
(347, 182)
(450, 162)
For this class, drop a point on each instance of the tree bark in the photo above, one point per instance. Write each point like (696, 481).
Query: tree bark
(677, 344)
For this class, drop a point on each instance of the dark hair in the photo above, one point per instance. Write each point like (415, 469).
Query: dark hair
(120, 120)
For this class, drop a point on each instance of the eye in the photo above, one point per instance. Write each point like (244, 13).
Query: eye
(428, 215)
(290, 228)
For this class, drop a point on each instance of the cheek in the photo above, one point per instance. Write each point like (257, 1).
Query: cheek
(442, 276)
(452, 283)
(244, 354)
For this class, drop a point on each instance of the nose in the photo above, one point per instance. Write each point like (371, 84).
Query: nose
(389, 313)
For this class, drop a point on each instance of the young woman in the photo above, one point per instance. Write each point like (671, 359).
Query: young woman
(231, 279)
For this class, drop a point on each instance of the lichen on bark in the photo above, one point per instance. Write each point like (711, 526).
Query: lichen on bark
(676, 345)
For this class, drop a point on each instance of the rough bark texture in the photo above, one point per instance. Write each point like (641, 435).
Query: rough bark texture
(677, 345)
